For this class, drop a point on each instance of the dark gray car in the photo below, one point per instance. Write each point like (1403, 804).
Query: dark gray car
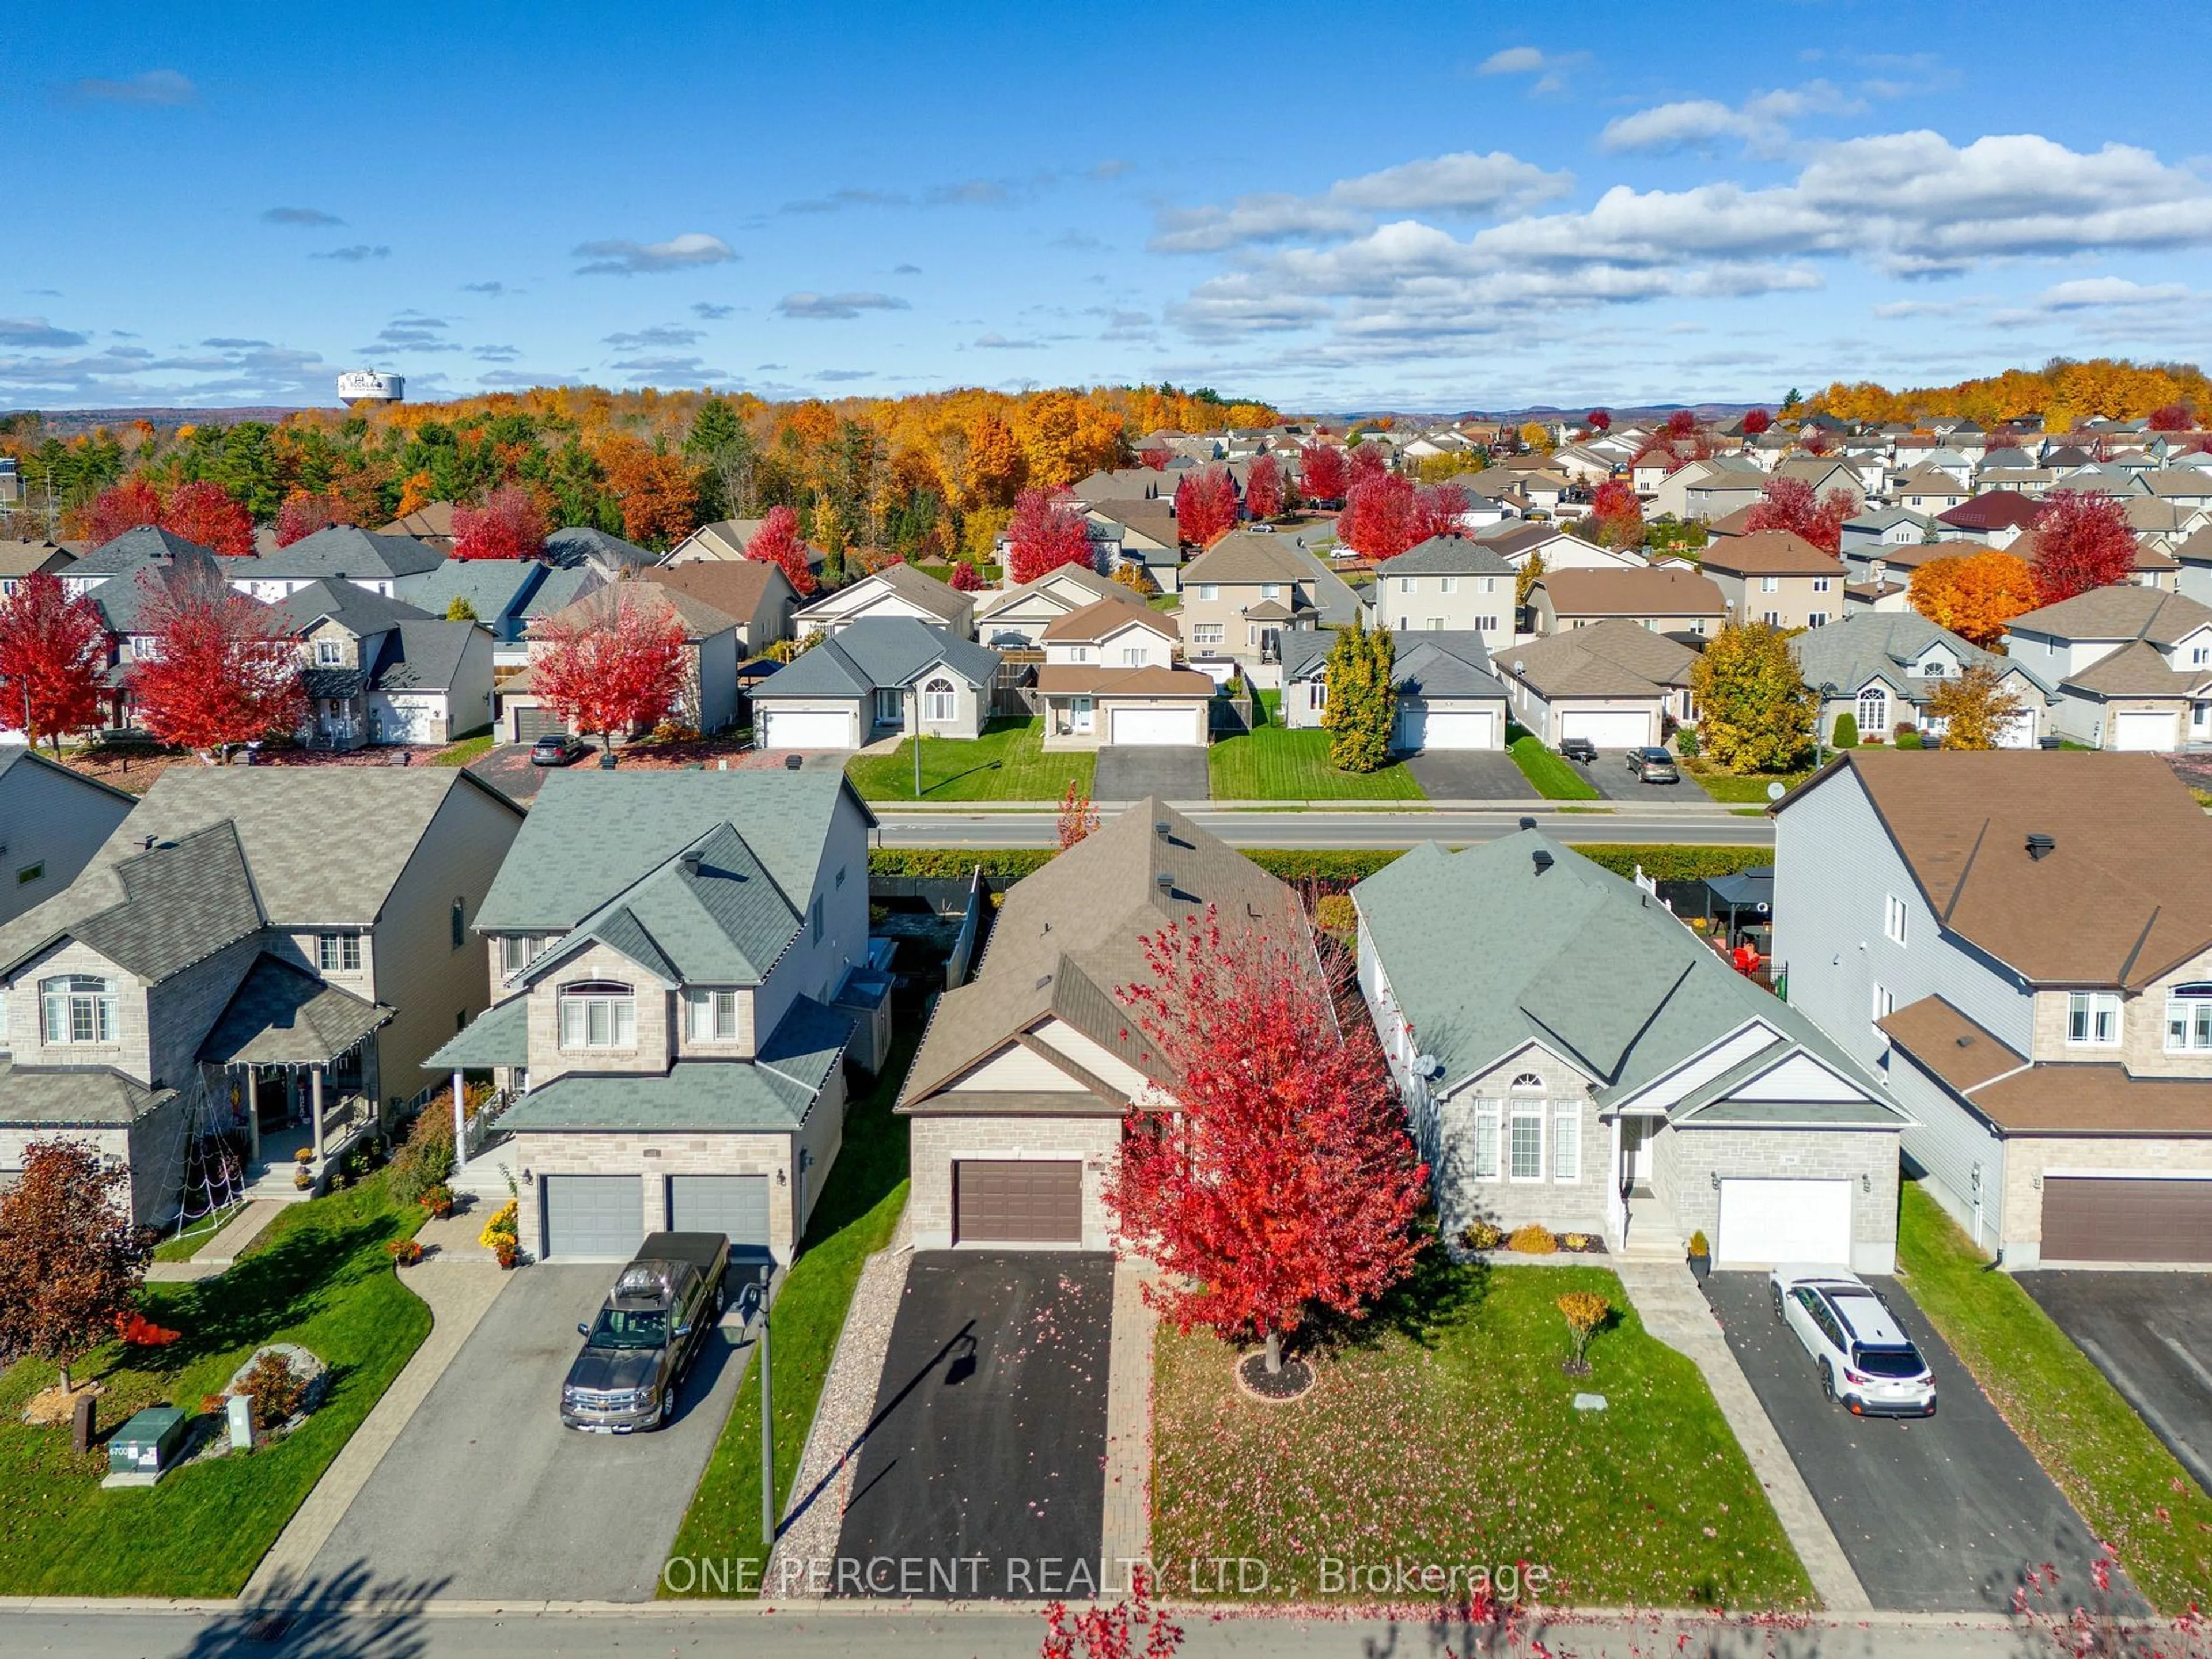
(655, 1320)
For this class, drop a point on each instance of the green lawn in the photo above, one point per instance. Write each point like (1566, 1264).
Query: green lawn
(184, 1247)
(858, 1211)
(1552, 777)
(1168, 602)
(1007, 763)
(1450, 1436)
(2111, 1467)
(468, 749)
(1274, 762)
(1741, 789)
(318, 1277)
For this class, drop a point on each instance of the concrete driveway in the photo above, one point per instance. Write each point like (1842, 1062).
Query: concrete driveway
(1936, 1515)
(1130, 771)
(1469, 774)
(2151, 1336)
(989, 1439)
(1609, 775)
(485, 1492)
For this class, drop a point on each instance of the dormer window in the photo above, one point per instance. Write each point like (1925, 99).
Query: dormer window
(599, 1014)
(78, 1008)
(2189, 1018)
(328, 654)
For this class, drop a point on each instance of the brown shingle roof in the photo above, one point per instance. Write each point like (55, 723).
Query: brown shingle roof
(2124, 894)
(1103, 617)
(1103, 680)
(1617, 658)
(1654, 592)
(1947, 1044)
(2136, 671)
(1771, 553)
(1996, 509)
(2124, 611)
(731, 586)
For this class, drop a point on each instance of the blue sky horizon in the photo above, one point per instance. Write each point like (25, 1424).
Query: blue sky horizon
(1625, 205)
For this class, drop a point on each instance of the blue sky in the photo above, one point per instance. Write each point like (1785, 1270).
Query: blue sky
(1438, 208)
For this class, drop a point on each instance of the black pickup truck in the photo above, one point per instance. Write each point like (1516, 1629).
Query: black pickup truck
(663, 1309)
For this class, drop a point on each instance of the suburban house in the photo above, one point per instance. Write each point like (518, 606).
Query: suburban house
(2193, 567)
(339, 552)
(2132, 666)
(1570, 1053)
(895, 591)
(431, 524)
(1517, 542)
(1016, 1097)
(1929, 490)
(1727, 485)
(879, 677)
(586, 547)
(1667, 599)
(1997, 517)
(665, 1035)
(712, 651)
(1144, 534)
(1880, 528)
(1015, 617)
(378, 671)
(141, 548)
(1251, 587)
(1109, 675)
(25, 557)
(1615, 684)
(2023, 943)
(52, 819)
(506, 595)
(1446, 582)
(1776, 577)
(1449, 695)
(1881, 668)
(255, 963)
(757, 598)
(727, 540)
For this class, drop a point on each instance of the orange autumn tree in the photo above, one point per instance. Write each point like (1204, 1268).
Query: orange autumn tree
(659, 497)
(1974, 594)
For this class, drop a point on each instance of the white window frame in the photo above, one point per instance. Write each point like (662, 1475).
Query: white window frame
(329, 653)
(1875, 699)
(1209, 589)
(1208, 632)
(598, 1014)
(1405, 584)
(1484, 1159)
(338, 953)
(1880, 1005)
(1769, 584)
(1567, 1143)
(1893, 914)
(710, 1015)
(1524, 1110)
(77, 1010)
(518, 951)
(1448, 584)
(2189, 1016)
(939, 702)
(1820, 584)
(2095, 1016)
(1317, 694)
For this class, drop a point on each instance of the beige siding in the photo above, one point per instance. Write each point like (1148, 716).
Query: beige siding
(939, 1142)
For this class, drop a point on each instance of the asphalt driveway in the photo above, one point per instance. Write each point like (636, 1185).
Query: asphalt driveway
(1936, 1515)
(1130, 771)
(485, 1492)
(1609, 775)
(507, 768)
(1469, 774)
(2151, 1336)
(988, 1443)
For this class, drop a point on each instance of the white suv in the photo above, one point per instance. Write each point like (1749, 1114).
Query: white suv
(1865, 1358)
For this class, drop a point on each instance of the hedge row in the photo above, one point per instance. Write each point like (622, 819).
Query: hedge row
(1661, 863)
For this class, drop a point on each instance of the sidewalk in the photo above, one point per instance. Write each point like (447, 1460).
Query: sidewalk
(1126, 1536)
(1674, 1311)
(223, 1249)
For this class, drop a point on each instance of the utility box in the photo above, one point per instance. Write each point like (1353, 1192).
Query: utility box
(238, 1417)
(144, 1447)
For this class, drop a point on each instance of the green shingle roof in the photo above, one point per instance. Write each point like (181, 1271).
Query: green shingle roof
(498, 1037)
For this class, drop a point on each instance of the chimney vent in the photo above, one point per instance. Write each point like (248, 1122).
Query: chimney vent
(691, 862)
(793, 762)
(1528, 823)
(147, 843)
(2039, 844)
(1543, 860)
(1164, 880)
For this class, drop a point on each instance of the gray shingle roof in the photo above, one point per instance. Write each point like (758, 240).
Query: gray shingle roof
(1446, 556)
(1871, 644)
(562, 587)
(2123, 612)
(493, 587)
(423, 656)
(498, 1037)
(579, 542)
(345, 550)
(281, 1015)
(877, 652)
(1616, 658)
(352, 607)
(78, 1097)
(179, 903)
(136, 549)
(1441, 663)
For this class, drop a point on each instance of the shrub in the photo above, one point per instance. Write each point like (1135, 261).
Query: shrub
(1585, 1311)
(1335, 915)
(1846, 734)
(502, 1235)
(1685, 743)
(405, 1252)
(1533, 1240)
(303, 1178)
(305, 1155)
(426, 1158)
(1319, 867)
(1576, 1242)
(276, 1391)
(438, 1201)
(1908, 737)
(1697, 1244)
(1481, 1235)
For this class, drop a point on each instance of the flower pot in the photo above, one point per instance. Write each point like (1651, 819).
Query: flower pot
(1700, 1266)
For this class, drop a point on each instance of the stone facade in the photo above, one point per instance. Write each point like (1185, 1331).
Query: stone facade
(938, 1142)
(2027, 1160)
(1463, 1196)
(1688, 1164)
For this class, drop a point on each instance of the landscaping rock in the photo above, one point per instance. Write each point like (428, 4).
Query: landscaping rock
(304, 1365)
(1590, 1402)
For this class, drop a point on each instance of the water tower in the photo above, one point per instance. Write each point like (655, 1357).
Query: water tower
(359, 386)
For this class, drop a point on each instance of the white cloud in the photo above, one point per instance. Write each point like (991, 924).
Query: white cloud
(1464, 184)
(2102, 292)
(621, 258)
(37, 332)
(162, 87)
(661, 334)
(1549, 67)
(1761, 122)
(837, 307)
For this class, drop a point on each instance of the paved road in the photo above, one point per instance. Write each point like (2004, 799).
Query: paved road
(486, 1495)
(989, 1436)
(1385, 827)
(2151, 1334)
(1936, 1513)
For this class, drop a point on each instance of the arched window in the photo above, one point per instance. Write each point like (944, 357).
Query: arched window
(79, 1008)
(938, 700)
(1874, 711)
(1527, 1084)
(598, 1014)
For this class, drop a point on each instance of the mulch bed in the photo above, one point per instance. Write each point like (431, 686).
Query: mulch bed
(1295, 1378)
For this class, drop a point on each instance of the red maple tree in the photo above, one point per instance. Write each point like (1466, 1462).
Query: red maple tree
(2082, 540)
(612, 662)
(1324, 473)
(1617, 514)
(1756, 421)
(302, 515)
(777, 542)
(1263, 488)
(1154, 459)
(1680, 423)
(205, 512)
(1816, 440)
(966, 579)
(1386, 515)
(1282, 1182)
(52, 652)
(120, 508)
(1788, 504)
(1370, 460)
(1047, 532)
(1206, 506)
(1599, 420)
(224, 670)
(2170, 417)
(510, 525)
(71, 1261)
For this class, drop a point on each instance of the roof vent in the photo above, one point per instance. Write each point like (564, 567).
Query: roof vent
(147, 843)
(1160, 829)
(1528, 823)
(1966, 1042)
(2039, 844)
(1043, 979)
(793, 762)
(1543, 860)
(1164, 880)
(691, 862)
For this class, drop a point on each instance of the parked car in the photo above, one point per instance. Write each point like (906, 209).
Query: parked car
(558, 749)
(662, 1311)
(1653, 766)
(1579, 748)
(1866, 1361)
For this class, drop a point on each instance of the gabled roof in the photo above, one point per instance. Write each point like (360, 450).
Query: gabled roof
(74, 1097)
(735, 588)
(493, 587)
(1869, 644)
(2136, 669)
(1068, 585)
(134, 550)
(122, 600)
(580, 544)
(359, 609)
(1245, 556)
(344, 550)
(1994, 509)
(1433, 664)
(924, 592)
(1101, 617)
(1661, 591)
(1769, 553)
(1447, 555)
(423, 655)
(1613, 659)
(2126, 611)
(431, 519)
(281, 1015)
(877, 653)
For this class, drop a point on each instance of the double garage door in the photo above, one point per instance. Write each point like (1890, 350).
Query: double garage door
(1766, 1222)
(805, 728)
(1017, 1201)
(2156, 730)
(601, 1218)
(2085, 1219)
(1154, 726)
(1422, 727)
(1607, 728)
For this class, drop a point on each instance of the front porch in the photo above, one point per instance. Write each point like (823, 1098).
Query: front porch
(1639, 1220)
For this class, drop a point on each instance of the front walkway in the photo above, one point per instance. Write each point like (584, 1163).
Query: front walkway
(1675, 1311)
(223, 1249)
(1126, 1540)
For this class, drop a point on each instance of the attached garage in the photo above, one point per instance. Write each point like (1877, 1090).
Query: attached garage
(2018, 732)
(2090, 1218)
(1017, 1201)
(529, 721)
(1608, 728)
(1154, 726)
(2157, 730)
(736, 1204)
(805, 728)
(592, 1217)
(1766, 1222)
(1421, 727)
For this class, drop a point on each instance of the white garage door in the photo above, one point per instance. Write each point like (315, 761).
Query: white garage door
(1607, 728)
(2146, 730)
(1154, 726)
(1764, 1222)
(733, 1204)
(1420, 726)
(2018, 732)
(794, 728)
(593, 1217)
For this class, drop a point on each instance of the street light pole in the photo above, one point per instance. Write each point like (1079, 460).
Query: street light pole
(767, 1418)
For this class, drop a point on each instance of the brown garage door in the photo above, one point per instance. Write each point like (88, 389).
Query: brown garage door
(2085, 1219)
(1005, 1202)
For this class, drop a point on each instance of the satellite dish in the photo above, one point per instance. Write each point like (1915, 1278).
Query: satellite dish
(1428, 1065)
(1775, 792)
